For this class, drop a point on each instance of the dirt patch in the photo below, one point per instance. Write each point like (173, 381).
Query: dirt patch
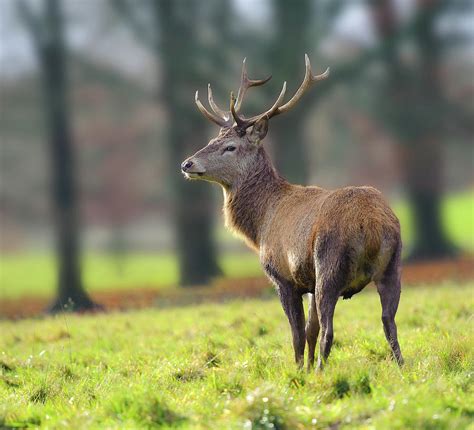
(435, 272)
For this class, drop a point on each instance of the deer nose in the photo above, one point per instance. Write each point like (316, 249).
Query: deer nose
(185, 165)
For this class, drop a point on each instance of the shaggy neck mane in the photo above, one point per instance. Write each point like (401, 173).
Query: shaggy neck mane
(247, 202)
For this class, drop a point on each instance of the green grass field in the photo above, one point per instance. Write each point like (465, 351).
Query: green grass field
(231, 366)
(35, 274)
(457, 214)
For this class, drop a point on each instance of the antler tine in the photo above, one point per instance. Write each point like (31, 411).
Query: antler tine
(217, 110)
(246, 83)
(308, 80)
(273, 110)
(241, 123)
(207, 114)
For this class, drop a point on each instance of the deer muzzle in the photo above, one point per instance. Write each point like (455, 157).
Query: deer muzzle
(192, 168)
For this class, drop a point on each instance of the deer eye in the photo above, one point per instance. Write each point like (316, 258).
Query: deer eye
(229, 148)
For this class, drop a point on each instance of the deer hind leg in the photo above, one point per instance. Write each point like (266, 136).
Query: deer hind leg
(332, 270)
(292, 303)
(389, 288)
(325, 303)
(312, 329)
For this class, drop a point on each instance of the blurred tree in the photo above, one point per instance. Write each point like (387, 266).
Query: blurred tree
(174, 31)
(296, 31)
(181, 53)
(420, 128)
(47, 34)
(286, 58)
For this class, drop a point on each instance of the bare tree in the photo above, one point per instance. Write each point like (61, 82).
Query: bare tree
(171, 31)
(420, 129)
(290, 42)
(47, 33)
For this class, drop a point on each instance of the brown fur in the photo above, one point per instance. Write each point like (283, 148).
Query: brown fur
(310, 240)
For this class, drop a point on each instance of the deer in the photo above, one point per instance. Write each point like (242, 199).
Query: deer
(324, 243)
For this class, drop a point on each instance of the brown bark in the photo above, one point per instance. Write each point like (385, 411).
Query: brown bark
(411, 106)
(192, 204)
(287, 61)
(51, 52)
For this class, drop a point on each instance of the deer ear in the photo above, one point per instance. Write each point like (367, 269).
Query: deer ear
(259, 130)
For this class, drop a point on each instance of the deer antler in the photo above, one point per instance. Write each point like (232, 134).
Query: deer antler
(219, 120)
(220, 116)
(247, 122)
(245, 84)
(309, 79)
(222, 113)
(229, 118)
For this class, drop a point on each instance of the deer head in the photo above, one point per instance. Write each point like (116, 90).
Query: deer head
(235, 152)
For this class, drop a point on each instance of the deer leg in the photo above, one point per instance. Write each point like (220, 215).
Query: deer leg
(292, 303)
(325, 304)
(389, 288)
(312, 329)
(331, 263)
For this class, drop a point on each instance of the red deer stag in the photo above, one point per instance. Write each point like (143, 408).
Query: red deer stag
(310, 240)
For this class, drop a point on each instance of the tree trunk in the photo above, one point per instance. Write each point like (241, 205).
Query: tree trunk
(192, 203)
(287, 64)
(426, 167)
(290, 151)
(419, 129)
(71, 294)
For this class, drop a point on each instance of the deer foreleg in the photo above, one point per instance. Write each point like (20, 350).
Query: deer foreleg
(292, 303)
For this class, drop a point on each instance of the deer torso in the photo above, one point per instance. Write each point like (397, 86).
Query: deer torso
(293, 227)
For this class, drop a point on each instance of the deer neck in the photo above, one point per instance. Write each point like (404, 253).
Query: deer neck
(248, 203)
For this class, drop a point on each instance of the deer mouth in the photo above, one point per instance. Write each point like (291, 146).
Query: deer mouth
(193, 175)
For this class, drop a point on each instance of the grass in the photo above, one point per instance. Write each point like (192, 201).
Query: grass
(230, 366)
(35, 273)
(457, 215)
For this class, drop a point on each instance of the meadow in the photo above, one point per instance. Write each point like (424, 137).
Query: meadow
(230, 365)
